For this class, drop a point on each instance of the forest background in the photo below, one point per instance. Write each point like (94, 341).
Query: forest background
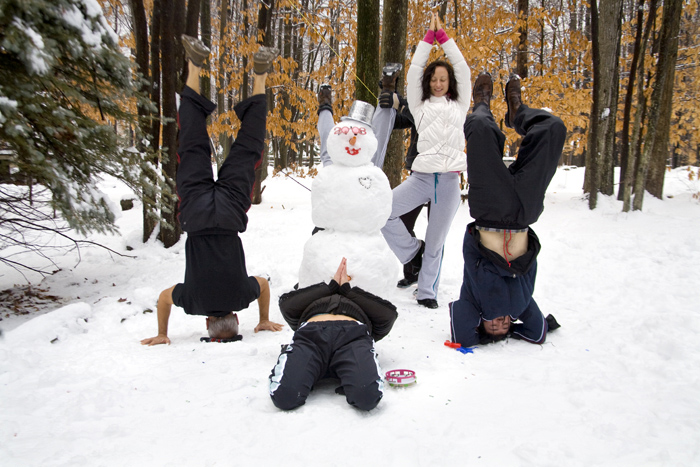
(623, 75)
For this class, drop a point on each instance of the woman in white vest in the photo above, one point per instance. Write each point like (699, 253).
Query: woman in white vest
(439, 98)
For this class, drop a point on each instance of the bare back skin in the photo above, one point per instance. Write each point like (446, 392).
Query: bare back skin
(330, 317)
(509, 245)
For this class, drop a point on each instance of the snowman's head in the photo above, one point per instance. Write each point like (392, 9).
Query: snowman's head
(352, 141)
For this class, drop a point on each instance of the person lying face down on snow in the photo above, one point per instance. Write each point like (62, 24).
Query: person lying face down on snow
(335, 328)
(500, 248)
(214, 212)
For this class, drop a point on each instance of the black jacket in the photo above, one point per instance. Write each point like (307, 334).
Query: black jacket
(378, 314)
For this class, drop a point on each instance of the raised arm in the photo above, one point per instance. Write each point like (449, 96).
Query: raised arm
(414, 91)
(165, 304)
(462, 72)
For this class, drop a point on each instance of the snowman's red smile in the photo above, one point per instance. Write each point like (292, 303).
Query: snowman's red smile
(352, 151)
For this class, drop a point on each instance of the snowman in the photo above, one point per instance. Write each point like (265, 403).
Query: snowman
(351, 200)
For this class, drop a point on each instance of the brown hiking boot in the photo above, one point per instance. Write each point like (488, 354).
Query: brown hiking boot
(513, 98)
(195, 50)
(325, 98)
(389, 83)
(390, 74)
(483, 89)
(263, 58)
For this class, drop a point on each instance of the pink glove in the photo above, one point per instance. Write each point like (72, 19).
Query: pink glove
(429, 37)
(441, 36)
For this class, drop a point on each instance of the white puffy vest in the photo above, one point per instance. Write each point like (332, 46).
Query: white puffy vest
(439, 120)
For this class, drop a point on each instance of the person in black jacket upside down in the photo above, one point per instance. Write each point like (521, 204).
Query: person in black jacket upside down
(335, 328)
(213, 212)
(500, 249)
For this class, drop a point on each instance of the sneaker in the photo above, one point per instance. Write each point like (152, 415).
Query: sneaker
(325, 98)
(483, 89)
(513, 98)
(195, 50)
(428, 303)
(263, 58)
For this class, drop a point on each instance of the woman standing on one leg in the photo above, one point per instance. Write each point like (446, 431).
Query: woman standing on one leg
(439, 98)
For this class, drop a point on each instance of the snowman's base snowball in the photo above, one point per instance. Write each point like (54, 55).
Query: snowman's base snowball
(371, 264)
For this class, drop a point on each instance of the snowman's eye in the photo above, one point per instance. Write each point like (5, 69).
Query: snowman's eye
(345, 129)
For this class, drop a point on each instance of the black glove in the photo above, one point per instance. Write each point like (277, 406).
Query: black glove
(386, 100)
(552, 323)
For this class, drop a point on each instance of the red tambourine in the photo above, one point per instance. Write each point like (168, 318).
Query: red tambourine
(400, 378)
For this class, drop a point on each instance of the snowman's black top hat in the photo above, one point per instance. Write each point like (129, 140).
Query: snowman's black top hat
(360, 112)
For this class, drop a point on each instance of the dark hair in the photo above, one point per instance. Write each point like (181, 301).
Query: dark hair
(486, 337)
(428, 73)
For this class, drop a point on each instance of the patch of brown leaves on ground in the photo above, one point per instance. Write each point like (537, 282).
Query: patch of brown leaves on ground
(26, 299)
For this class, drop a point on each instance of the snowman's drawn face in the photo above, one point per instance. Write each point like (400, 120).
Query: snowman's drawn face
(351, 143)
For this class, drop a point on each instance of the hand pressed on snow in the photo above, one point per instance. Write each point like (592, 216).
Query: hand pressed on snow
(156, 340)
(267, 325)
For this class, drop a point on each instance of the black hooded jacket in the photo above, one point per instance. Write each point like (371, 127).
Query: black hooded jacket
(300, 305)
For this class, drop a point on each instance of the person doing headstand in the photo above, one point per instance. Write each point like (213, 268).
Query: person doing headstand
(500, 248)
(213, 212)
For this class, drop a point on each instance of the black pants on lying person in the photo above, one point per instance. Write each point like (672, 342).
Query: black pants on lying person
(335, 328)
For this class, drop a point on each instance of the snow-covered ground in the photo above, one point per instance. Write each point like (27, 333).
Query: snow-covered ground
(617, 385)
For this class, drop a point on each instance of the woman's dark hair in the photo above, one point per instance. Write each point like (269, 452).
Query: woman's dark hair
(428, 73)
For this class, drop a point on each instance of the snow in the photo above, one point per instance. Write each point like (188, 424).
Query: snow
(37, 56)
(616, 385)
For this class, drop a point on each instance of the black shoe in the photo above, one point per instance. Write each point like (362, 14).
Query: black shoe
(428, 302)
(552, 323)
(195, 50)
(325, 98)
(412, 268)
(483, 89)
(263, 58)
(417, 261)
(406, 282)
(513, 98)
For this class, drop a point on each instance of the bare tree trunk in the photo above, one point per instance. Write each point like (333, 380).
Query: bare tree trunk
(156, 32)
(205, 25)
(394, 50)
(660, 150)
(627, 113)
(665, 71)
(148, 179)
(521, 63)
(264, 32)
(634, 154)
(170, 230)
(606, 29)
(224, 139)
(367, 68)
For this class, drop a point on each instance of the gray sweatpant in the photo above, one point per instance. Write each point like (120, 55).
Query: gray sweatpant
(382, 124)
(442, 190)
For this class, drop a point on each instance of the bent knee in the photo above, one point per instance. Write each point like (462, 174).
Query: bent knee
(286, 401)
(363, 399)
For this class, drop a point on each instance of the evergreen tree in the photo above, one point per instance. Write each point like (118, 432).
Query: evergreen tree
(63, 84)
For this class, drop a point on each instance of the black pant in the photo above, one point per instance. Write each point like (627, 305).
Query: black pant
(204, 202)
(512, 196)
(328, 349)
